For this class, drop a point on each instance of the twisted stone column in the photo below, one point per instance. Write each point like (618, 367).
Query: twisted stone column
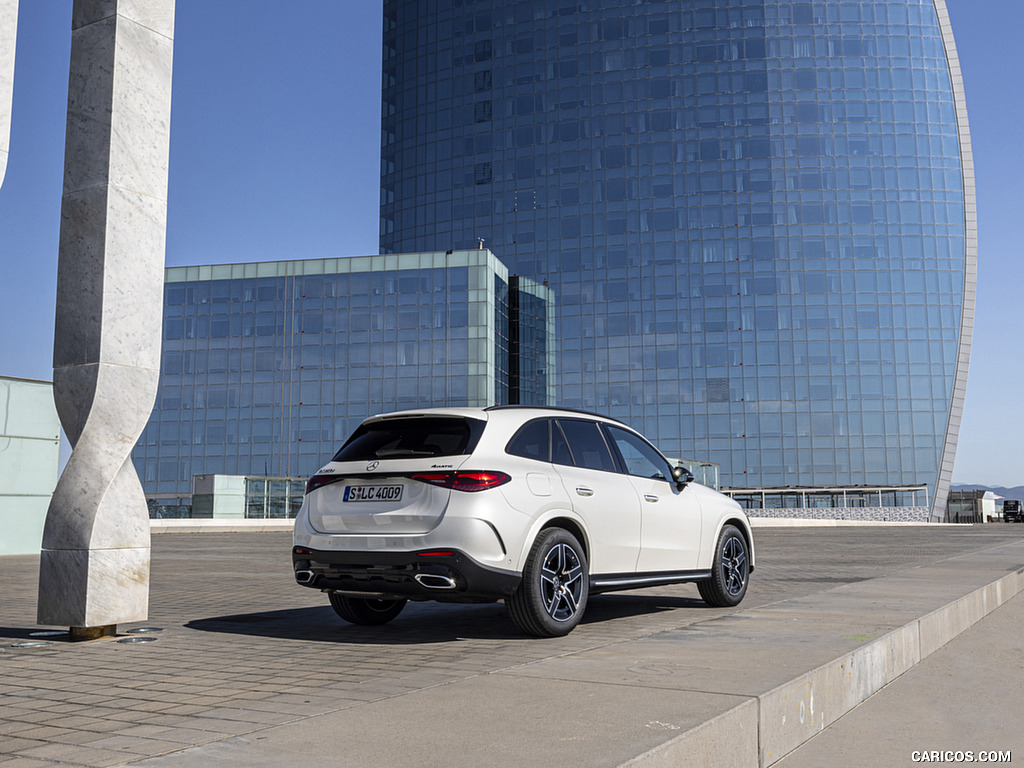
(94, 570)
(8, 35)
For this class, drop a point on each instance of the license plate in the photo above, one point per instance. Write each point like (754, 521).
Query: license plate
(373, 493)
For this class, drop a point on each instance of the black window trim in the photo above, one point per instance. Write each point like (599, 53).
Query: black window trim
(556, 425)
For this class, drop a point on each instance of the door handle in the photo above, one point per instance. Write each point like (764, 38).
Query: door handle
(584, 491)
(651, 497)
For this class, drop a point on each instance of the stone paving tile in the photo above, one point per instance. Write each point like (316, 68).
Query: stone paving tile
(128, 716)
(217, 726)
(54, 751)
(181, 710)
(44, 733)
(77, 755)
(15, 744)
(145, 731)
(243, 647)
(153, 707)
(15, 710)
(157, 721)
(78, 737)
(28, 716)
(248, 716)
(14, 761)
(12, 727)
(80, 723)
(295, 710)
(135, 745)
(186, 736)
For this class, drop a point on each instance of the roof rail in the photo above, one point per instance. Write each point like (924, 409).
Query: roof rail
(511, 407)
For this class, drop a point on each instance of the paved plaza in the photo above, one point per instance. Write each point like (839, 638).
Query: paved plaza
(252, 666)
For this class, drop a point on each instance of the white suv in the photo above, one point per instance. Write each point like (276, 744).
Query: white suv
(540, 507)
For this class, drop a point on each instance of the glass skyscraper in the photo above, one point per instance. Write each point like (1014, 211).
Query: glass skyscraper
(268, 367)
(757, 215)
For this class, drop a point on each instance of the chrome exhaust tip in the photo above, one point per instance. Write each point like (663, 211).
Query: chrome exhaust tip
(435, 581)
(304, 577)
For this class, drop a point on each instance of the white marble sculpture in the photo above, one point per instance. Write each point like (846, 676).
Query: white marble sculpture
(94, 569)
(8, 35)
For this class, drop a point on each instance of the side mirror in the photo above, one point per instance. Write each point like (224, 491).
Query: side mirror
(682, 476)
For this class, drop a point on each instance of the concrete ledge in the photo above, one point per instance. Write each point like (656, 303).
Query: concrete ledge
(694, 748)
(797, 710)
(791, 713)
(940, 626)
(220, 525)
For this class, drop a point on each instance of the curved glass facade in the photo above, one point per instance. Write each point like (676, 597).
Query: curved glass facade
(753, 214)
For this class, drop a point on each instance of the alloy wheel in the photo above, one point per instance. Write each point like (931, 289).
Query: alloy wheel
(734, 565)
(561, 582)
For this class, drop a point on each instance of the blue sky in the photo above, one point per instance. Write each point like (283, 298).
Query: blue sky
(274, 155)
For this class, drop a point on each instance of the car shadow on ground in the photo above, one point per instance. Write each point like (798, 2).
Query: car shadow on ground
(423, 623)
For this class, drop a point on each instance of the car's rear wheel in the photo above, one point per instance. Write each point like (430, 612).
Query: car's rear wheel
(730, 571)
(358, 610)
(553, 594)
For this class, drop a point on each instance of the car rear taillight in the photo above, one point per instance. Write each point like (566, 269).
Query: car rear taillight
(318, 480)
(473, 480)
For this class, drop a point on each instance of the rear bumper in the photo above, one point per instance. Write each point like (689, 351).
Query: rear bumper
(451, 577)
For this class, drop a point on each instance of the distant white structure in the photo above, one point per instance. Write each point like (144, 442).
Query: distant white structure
(29, 455)
(974, 506)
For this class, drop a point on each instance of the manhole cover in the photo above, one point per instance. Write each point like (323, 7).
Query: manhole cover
(31, 644)
(138, 640)
(49, 633)
(143, 630)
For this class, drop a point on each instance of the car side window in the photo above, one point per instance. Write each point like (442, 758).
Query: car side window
(559, 448)
(587, 444)
(640, 457)
(531, 441)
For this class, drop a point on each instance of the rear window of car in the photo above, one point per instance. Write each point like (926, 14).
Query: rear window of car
(412, 438)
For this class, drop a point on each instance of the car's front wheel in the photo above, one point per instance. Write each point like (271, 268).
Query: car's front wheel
(730, 571)
(553, 594)
(358, 610)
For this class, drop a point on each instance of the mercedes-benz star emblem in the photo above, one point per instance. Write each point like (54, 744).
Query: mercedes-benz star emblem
(372, 465)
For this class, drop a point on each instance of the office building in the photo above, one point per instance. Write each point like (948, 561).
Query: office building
(268, 367)
(757, 215)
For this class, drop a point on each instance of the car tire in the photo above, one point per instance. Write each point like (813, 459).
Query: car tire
(730, 571)
(359, 610)
(553, 594)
